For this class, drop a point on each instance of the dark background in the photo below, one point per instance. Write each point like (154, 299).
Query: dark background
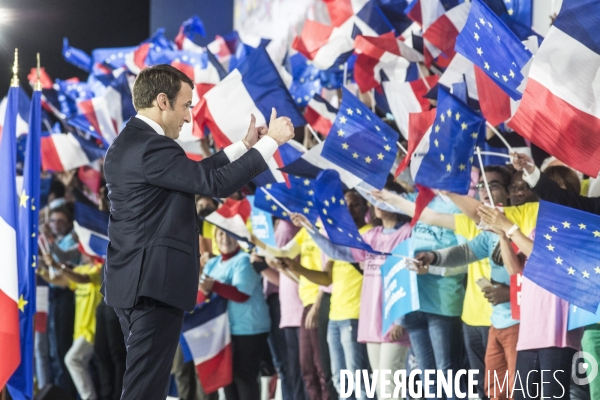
(41, 25)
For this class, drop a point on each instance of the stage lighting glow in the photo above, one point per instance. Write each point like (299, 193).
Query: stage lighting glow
(6, 16)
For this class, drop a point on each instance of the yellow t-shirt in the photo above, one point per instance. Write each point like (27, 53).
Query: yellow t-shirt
(346, 289)
(87, 298)
(310, 258)
(476, 309)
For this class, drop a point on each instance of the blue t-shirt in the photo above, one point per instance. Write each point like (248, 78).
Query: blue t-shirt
(252, 316)
(483, 246)
(437, 294)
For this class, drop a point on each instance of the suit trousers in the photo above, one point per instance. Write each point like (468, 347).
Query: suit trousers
(151, 330)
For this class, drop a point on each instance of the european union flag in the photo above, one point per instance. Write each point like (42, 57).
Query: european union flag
(298, 198)
(360, 142)
(565, 259)
(306, 81)
(447, 163)
(487, 42)
(330, 203)
(520, 10)
(20, 384)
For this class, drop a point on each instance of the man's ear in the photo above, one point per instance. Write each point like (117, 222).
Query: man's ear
(162, 101)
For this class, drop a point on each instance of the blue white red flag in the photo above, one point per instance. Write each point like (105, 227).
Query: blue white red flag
(559, 114)
(91, 227)
(20, 384)
(232, 217)
(320, 114)
(64, 152)
(205, 339)
(405, 98)
(11, 302)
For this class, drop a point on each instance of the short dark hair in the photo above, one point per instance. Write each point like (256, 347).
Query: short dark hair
(504, 173)
(152, 81)
(65, 209)
(565, 177)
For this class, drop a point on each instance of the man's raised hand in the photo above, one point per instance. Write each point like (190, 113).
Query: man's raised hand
(280, 129)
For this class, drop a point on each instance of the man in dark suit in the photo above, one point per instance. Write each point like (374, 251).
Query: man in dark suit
(152, 266)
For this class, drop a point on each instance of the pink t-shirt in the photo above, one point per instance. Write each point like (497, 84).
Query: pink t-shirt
(544, 319)
(289, 301)
(369, 320)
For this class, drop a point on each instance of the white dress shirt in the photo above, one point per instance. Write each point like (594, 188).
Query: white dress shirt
(267, 146)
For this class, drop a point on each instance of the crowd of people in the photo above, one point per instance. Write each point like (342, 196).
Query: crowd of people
(306, 309)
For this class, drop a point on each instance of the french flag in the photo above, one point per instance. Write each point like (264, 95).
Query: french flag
(320, 114)
(325, 45)
(443, 32)
(22, 126)
(559, 109)
(187, 30)
(91, 227)
(108, 113)
(10, 301)
(383, 54)
(408, 97)
(255, 87)
(63, 152)
(419, 126)
(329, 45)
(206, 340)
(311, 163)
(232, 217)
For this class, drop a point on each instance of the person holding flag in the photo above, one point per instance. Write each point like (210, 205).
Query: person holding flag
(152, 266)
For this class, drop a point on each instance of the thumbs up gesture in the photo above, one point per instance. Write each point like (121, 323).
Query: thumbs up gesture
(280, 129)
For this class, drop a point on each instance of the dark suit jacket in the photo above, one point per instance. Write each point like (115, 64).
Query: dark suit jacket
(153, 249)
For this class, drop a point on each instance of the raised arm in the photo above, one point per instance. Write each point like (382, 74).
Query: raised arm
(428, 216)
(322, 278)
(499, 223)
(467, 205)
(549, 190)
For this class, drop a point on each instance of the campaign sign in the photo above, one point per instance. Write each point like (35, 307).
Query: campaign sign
(400, 292)
(262, 224)
(579, 317)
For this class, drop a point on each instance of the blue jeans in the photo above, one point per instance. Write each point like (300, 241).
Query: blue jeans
(436, 341)
(278, 347)
(345, 351)
(43, 369)
(476, 339)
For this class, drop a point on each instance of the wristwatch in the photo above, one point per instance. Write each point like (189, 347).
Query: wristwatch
(511, 231)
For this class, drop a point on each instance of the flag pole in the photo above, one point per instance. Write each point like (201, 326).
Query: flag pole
(497, 133)
(402, 148)
(314, 133)
(14, 82)
(372, 96)
(503, 139)
(422, 76)
(37, 86)
(284, 207)
(485, 182)
(345, 73)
